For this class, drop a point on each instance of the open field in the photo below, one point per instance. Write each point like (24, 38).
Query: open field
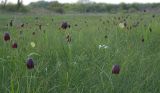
(73, 60)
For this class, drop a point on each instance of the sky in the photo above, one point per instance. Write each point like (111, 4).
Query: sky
(98, 1)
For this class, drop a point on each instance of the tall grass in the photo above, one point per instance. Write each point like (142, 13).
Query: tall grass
(80, 66)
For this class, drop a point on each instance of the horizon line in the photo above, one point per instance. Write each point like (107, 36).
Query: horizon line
(92, 2)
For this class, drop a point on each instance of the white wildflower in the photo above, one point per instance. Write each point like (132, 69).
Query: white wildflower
(103, 46)
(121, 25)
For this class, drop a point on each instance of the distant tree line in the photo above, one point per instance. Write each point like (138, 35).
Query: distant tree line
(82, 6)
(91, 7)
(9, 7)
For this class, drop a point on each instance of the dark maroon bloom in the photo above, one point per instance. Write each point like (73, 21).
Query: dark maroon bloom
(65, 25)
(14, 45)
(115, 69)
(30, 64)
(6, 36)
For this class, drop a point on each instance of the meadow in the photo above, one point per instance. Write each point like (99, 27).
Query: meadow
(79, 59)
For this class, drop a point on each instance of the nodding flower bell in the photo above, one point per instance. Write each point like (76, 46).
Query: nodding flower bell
(65, 25)
(14, 45)
(115, 69)
(6, 36)
(30, 63)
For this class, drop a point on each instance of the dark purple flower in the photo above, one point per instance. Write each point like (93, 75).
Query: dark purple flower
(30, 63)
(65, 25)
(115, 69)
(6, 36)
(14, 45)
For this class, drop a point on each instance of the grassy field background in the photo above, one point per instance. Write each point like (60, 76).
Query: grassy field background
(80, 66)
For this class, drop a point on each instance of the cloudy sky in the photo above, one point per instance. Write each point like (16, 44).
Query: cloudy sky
(106, 1)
